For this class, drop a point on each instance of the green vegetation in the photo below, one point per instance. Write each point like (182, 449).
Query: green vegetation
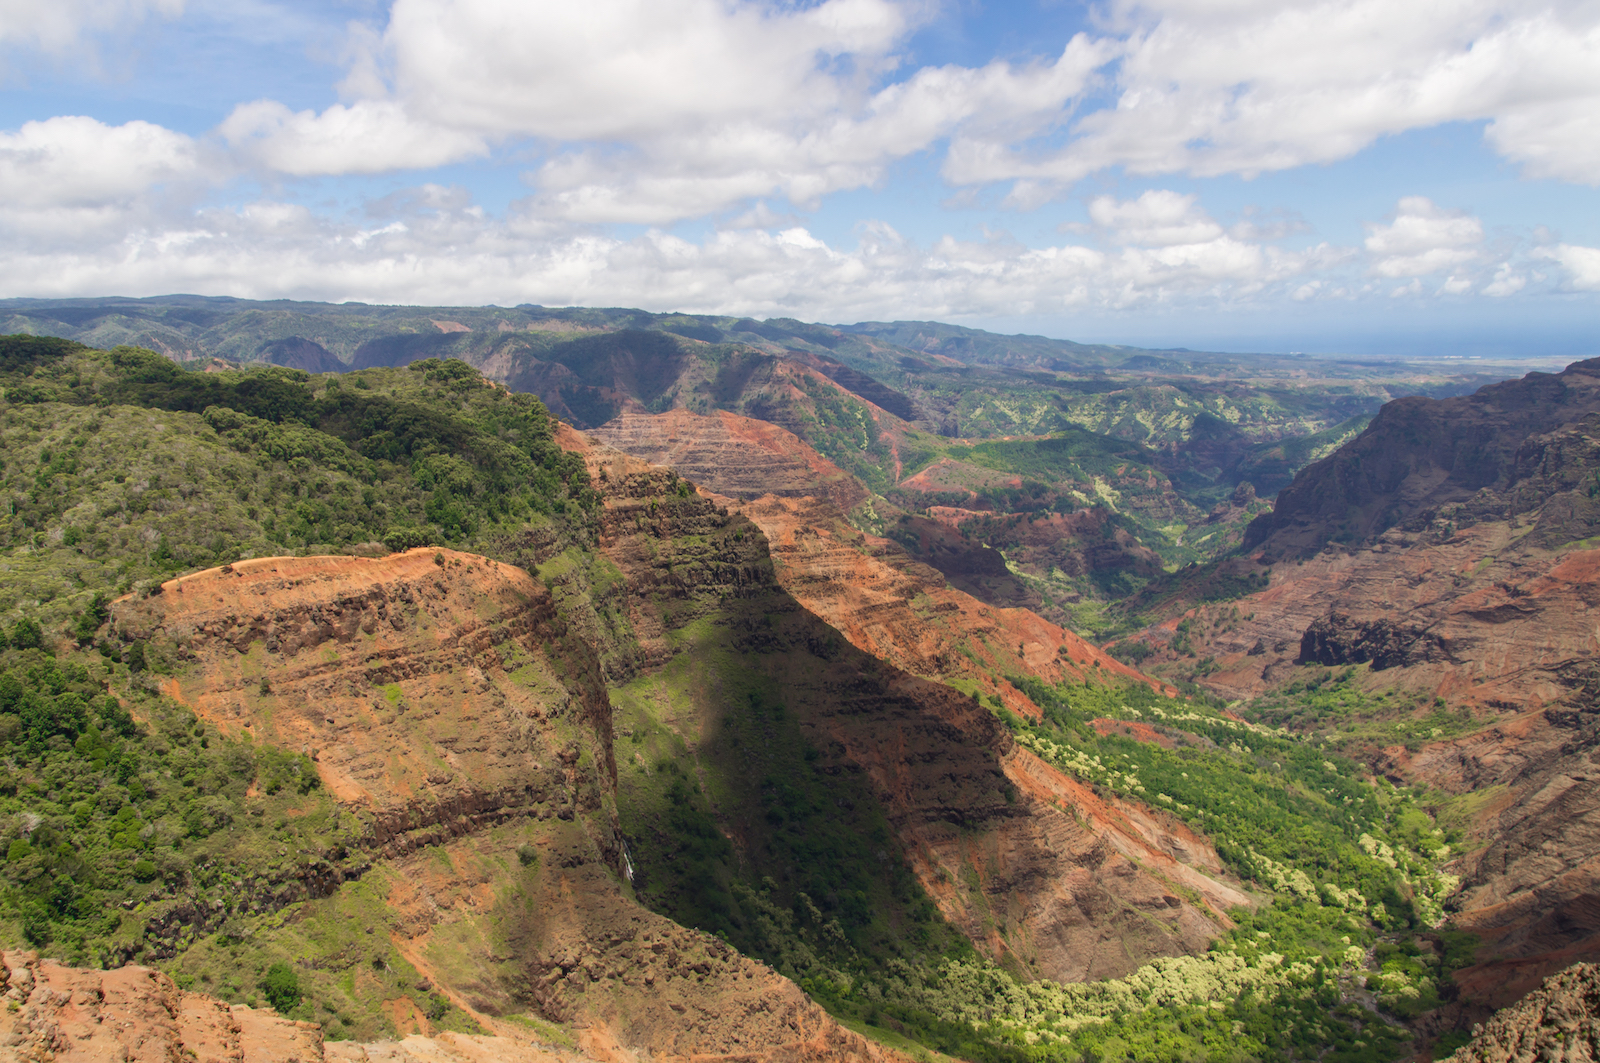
(817, 885)
(843, 429)
(105, 815)
(281, 987)
(1271, 466)
(1071, 453)
(132, 831)
(1291, 814)
(120, 466)
(1331, 705)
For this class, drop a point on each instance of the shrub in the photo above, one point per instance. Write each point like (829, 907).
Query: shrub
(282, 987)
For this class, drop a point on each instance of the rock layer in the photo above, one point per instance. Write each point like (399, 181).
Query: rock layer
(451, 709)
(134, 1015)
(731, 455)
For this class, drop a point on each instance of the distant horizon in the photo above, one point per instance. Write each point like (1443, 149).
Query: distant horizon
(1445, 343)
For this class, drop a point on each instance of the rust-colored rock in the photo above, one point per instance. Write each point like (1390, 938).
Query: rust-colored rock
(1560, 1020)
(731, 455)
(395, 675)
(441, 695)
(59, 1014)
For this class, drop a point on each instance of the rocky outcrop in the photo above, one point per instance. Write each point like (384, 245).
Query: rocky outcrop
(1558, 1021)
(60, 1014)
(1471, 457)
(1338, 639)
(453, 711)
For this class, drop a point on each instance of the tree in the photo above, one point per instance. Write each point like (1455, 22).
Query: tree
(27, 635)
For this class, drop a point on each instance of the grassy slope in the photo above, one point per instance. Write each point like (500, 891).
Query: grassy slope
(160, 840)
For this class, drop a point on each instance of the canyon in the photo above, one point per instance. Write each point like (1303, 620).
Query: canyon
(713, 731)
(1445, 553)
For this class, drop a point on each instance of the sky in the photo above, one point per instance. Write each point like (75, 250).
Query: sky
(1350, 176)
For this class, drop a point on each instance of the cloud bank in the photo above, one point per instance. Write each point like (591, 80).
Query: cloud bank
(647, 113)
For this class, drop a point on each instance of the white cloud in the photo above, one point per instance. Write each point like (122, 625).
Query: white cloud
(1506, 282)
(433, 245)
(59, 25)
(1423, 239)
(649, 111)
(1218, 86)
(366, 137)
(71, 177)
(1581, 263)
(624, 69)
(1158, 218)
(740, 81)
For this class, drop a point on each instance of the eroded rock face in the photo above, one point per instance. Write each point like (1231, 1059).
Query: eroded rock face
(1030, 865)
(1338, 639)
(135, 1015)
(1420, 457)
(1558, 1021)
(450, 708)
(902, 611)
(58, 1014)
(396, 675)
(731, 455)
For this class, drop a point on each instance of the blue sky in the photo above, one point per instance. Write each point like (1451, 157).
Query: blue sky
(1328, 175)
